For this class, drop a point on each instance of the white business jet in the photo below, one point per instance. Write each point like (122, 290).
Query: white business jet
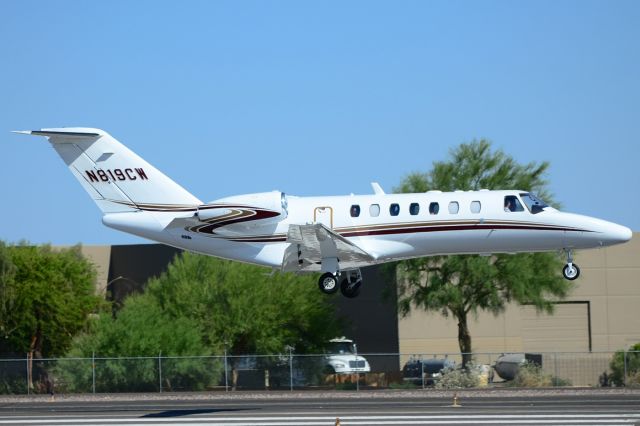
(334, 235)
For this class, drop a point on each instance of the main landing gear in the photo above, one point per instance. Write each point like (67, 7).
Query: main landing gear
(328, 283)
(570, 270)
(350, 283)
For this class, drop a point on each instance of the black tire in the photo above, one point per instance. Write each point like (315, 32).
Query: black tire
(349, 290)
(328, 369)
(571, 273)
(325, 283)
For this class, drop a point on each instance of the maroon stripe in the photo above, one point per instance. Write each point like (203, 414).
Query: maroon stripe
(259, 214)
(259, 240)
(412, 231)
(453, 228)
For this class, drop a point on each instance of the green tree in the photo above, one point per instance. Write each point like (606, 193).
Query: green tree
(46, 298)
(244, 308)
(141, 329)
(8, 296)
(201, 306)
(465, 284)
(626, 362)
(53, 295)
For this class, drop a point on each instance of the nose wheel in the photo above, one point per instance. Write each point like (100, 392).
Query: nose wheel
(570, 270)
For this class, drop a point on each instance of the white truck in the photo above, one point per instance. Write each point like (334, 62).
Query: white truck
(342, 357)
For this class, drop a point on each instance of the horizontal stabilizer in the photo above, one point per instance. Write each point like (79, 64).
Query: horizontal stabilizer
(64, 133)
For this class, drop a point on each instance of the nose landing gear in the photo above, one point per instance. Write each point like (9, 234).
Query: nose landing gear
(570, 270)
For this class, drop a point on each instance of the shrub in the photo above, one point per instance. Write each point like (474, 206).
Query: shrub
(560, 382)
(530, 375)
(633, 379)
(403, 385)
(633, 367)
(456, 378)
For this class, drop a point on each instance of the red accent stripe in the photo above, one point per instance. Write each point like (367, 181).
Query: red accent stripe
(454, 228)
(258, 239)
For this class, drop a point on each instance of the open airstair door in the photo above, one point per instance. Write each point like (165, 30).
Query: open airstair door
(310, 244)
(323, 215)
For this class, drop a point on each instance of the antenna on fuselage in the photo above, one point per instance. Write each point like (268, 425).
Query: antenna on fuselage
(377, 189)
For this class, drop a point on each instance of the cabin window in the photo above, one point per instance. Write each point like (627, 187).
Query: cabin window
(355, 210)
(475, 207)
(374, 210)
(394, 209)
(434, 208)
(454, 207)
(512, 204)
(414, 209)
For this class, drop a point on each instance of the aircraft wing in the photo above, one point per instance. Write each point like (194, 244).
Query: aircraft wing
(311, 243)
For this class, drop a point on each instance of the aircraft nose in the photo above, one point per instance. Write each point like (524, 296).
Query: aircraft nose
(616, 234)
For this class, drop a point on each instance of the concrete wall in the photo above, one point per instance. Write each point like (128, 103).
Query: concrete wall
(100, 256)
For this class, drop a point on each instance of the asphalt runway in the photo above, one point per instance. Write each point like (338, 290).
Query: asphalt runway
(348, 408)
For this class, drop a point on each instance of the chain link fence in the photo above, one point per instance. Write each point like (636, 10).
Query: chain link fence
(329, 372)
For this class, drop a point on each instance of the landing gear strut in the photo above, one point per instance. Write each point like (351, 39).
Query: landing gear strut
(570, 270)
(350, 285)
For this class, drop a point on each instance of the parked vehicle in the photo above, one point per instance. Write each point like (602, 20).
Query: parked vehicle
(507, 365)
(342, 357)
(431, 369)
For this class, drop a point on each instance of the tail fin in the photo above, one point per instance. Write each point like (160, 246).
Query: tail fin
(115, 177)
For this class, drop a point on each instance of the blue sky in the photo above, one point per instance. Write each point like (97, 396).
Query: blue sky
(316, 98)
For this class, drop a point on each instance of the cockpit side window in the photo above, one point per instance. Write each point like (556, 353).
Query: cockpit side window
(512, 204)
(533, 203)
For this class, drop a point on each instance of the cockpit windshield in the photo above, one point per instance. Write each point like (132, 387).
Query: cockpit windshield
(533, 203)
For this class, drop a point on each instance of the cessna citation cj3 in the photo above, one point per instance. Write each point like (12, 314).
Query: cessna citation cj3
(332, 235)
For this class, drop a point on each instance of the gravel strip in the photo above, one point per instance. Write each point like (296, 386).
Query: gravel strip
(322, 395)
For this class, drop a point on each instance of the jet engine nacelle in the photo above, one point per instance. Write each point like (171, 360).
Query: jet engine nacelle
(264, 206)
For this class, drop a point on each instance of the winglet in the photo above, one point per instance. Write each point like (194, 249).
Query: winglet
(377, 189)
(23, 132)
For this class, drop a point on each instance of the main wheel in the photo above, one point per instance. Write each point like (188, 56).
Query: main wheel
(571, 271)
(350, 290)
(328, 283)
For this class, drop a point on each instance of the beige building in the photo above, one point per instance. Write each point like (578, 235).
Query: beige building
(100, 256)
(601, 314)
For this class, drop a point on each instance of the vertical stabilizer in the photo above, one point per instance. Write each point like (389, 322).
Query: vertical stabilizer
(115, 177)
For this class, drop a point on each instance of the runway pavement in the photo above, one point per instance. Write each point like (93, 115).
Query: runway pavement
(619, 407)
